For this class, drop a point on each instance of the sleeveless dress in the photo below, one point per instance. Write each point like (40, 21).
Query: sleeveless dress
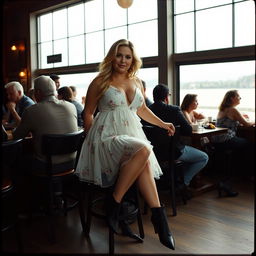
(226, 123)
(114, 137)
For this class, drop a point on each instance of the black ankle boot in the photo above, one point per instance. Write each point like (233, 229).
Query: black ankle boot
(126, 231)
(226, 189)
(112, 209)
(159, 220)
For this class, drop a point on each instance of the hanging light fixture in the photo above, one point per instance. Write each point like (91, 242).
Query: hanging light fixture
(125, 3)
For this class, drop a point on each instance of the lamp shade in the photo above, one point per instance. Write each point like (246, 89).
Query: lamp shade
(125, 3)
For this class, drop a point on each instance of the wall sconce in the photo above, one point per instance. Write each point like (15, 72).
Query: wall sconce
(125, 3)
(18, 46)
(22, 74)
(14, 48)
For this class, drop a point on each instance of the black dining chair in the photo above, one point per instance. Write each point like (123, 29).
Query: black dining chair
(96, 200)
(11, 150)
(60, 175)
(164, 149)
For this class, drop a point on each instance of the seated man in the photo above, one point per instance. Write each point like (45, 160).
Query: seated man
(194, 160)
(17, 103)
(48, 116)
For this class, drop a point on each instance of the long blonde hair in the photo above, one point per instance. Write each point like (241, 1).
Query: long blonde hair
(106, 67)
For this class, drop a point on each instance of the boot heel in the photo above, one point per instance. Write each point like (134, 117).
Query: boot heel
(160, 223)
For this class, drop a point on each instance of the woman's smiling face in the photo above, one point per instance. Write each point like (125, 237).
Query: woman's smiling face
(123, 59)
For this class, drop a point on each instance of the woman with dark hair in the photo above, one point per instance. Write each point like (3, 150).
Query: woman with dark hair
(116, 151)
(65, 93)
(188, 106)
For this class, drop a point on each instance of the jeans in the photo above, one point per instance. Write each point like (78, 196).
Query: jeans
(194, 160)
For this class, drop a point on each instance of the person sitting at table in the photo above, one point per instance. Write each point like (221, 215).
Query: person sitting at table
(230, 117)
(194, 160)
(65, 93)
(188, 106)
(17, 103)
(48, 116)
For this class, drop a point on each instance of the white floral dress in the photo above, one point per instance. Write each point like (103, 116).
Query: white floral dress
(115, 136)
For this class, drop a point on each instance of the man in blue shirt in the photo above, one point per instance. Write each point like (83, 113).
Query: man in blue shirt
(17, 103)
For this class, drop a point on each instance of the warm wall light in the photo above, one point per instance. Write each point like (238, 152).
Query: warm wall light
(125, 3)
(22, 74)
(14, 48)
(18, 46)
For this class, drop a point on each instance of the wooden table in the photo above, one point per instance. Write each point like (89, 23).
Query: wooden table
(195, 139)
(202, 132)
(199, 184)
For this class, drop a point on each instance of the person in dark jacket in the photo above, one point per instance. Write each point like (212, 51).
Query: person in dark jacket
(194, 160)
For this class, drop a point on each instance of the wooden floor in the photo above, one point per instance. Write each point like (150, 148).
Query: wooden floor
(205, 225)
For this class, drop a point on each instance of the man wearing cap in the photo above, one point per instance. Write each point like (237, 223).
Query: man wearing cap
(17, 103)
(49, 115)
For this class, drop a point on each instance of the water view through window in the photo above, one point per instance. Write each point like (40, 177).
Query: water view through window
(211, 81)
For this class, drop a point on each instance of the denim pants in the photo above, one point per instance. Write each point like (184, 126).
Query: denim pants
(194, 160)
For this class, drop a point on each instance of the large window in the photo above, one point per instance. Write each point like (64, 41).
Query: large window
(211, 81)
(82, 80)
(212, 54)
(213, 24)
(84, 32)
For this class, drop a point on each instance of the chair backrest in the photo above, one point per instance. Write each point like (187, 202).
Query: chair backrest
(61, 144)
(11, 151)
(164, 146)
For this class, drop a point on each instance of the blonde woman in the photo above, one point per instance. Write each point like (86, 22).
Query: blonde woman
(116, 151)
(189, 106)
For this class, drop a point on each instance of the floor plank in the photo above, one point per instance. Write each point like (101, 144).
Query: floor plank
(205, 225)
